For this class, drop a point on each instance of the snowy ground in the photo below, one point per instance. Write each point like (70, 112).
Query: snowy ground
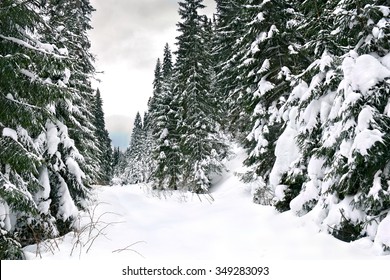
(137, 224)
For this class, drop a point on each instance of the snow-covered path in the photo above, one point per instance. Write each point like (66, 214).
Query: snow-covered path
(183, 227)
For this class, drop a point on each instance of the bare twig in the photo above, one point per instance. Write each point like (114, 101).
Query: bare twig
(127, 248)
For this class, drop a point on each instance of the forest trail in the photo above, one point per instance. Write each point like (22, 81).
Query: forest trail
(137, 224)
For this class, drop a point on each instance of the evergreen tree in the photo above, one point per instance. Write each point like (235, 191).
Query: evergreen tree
(200, 143)
(134, 155)
(41, 179)
(165, 152)
(337, 173)
(267, 59)
(157, 90)
(148, 163)
(167, 67)
(21, 122)
(103, 142)
(229, 29)
(158, 79)
(115, 157)
(71, 20)
(119, 168)
(304, 116)
(359, 171)
(215, 99)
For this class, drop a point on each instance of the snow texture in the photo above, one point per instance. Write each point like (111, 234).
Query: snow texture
(385, 10)
(29, 74)
(75, 169)
(264, 86)
(376, 186)
(52, 138)
(67, 207)
(364, 72)
(365, 139)
(339, 208)
(9, 132)
(67, 75)
(42, 196)
(164, 134)
(286, 152)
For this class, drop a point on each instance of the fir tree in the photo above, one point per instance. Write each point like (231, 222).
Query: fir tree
(134, 155)
(41, 180)
(115, 157)
(359, 172)
(200, 143)
(71, 20)
(147, 161)
(267, 57)
(22, 119)
(103, 141)
(165, 152)
(229, 28)
(303, 115)
(337, 173)
(167, 66)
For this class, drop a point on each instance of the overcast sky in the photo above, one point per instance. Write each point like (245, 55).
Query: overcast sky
(128, 37)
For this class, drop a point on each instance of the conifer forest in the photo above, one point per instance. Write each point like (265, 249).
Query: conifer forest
(303, 87)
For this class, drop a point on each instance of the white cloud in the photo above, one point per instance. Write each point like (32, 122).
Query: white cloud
(128, 37)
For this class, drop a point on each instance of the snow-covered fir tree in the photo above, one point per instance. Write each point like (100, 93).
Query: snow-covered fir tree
(357, 132)
(165, 152)
(342, 123)
(229, 28)
(23, 196)
(134, 156)
(152, 120)
(49, 151)
(103, 142)
(303, 125)
(43, 180)
(116, 155)
(200, 143)
(147, 159)
(300, 83)
(71, 20)
(267, 58)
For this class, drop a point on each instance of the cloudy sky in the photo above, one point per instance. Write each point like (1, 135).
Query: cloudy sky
(128, 37)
